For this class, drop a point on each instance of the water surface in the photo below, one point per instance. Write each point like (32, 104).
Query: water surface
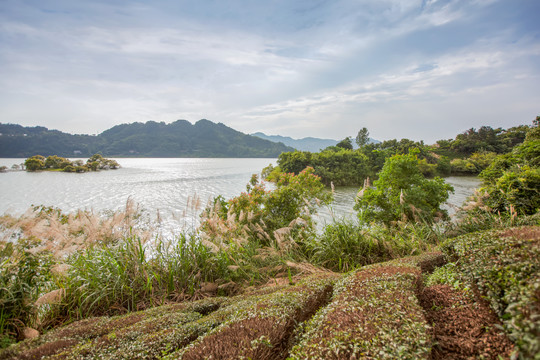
(164, 185)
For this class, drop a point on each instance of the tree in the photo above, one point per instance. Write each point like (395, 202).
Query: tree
(56, 162)
(363, 137)
(403, 193)
(345, 143)
(35, 163)
(512, 180)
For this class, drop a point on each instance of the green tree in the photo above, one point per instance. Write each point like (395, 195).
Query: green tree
(403, 193)
(362, 138)
(56, 162)
(35, 163)
(345, 143)
(512, 180)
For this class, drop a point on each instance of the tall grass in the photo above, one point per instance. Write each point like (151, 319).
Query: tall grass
(23, 276)
(133, 275)
(475, 216)
(36, 247)
(345, 244)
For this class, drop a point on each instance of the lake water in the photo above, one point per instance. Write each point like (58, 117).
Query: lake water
(164, 185)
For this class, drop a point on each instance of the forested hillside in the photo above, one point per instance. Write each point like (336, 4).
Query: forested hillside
(150, 139)
(469, 153)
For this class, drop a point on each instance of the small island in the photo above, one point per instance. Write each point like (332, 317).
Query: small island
(56, 163)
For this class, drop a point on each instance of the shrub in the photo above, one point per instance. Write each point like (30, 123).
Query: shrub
(373, 314)
(35, 163)
(268, 216)
(403, 193)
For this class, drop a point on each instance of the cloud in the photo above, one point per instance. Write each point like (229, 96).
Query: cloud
(296, 68)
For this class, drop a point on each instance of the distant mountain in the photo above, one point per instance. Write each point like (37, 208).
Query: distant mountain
(305, 144)
(150, 139)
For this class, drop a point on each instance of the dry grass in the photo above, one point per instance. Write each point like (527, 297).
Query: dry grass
(62, 235)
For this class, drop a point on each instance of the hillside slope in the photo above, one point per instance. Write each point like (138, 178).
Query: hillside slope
(150, 139)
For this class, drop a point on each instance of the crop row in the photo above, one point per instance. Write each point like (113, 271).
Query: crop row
(268, 318)
(504, 266)
(374, 314)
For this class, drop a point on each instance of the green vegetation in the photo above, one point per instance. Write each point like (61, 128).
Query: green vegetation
(373, 314)
(468, 154)
(505, 267)
(151, 139)
(55, 163)
(269, 217)
(403, 193)
(278, 289)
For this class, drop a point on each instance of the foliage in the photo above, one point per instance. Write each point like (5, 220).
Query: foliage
(121, 277)
(345, 144)
(472, 165)
(340, 166)
(505, 267)
(269, 216)
(469, 154)
(53, 162)
(35, 163)
(512, 181)
(23, 275)
(403, 193)
(373, 314)
(344, 245)
(362, 138)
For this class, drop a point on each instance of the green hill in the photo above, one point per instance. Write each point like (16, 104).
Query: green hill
(150, 139)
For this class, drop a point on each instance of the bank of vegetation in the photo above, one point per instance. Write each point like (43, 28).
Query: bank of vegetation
(56, 163)
(468, 154)
(256, 280)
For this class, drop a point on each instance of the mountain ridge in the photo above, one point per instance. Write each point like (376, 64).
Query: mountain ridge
(311, 144)
(180, 138)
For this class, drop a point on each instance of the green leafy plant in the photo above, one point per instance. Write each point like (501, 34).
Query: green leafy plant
(403, 193)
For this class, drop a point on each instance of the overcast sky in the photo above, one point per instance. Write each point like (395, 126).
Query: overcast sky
(402, 68)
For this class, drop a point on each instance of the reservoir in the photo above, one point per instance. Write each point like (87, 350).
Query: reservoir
(164, 185)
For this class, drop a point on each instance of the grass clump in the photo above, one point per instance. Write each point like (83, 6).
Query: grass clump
(505, 267)
(345, 245)
(23, 276)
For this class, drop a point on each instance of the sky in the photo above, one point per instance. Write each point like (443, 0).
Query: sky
(417, 69)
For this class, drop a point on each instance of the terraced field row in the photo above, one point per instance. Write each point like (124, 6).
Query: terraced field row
(381, 311)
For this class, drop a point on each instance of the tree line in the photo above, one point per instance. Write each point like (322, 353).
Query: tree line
(469, 153)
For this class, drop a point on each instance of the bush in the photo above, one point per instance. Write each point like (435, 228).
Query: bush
(403, 193)
(268, 217)
(35, 163)
(512, 180)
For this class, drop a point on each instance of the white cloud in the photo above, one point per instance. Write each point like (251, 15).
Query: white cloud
(295, 67)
